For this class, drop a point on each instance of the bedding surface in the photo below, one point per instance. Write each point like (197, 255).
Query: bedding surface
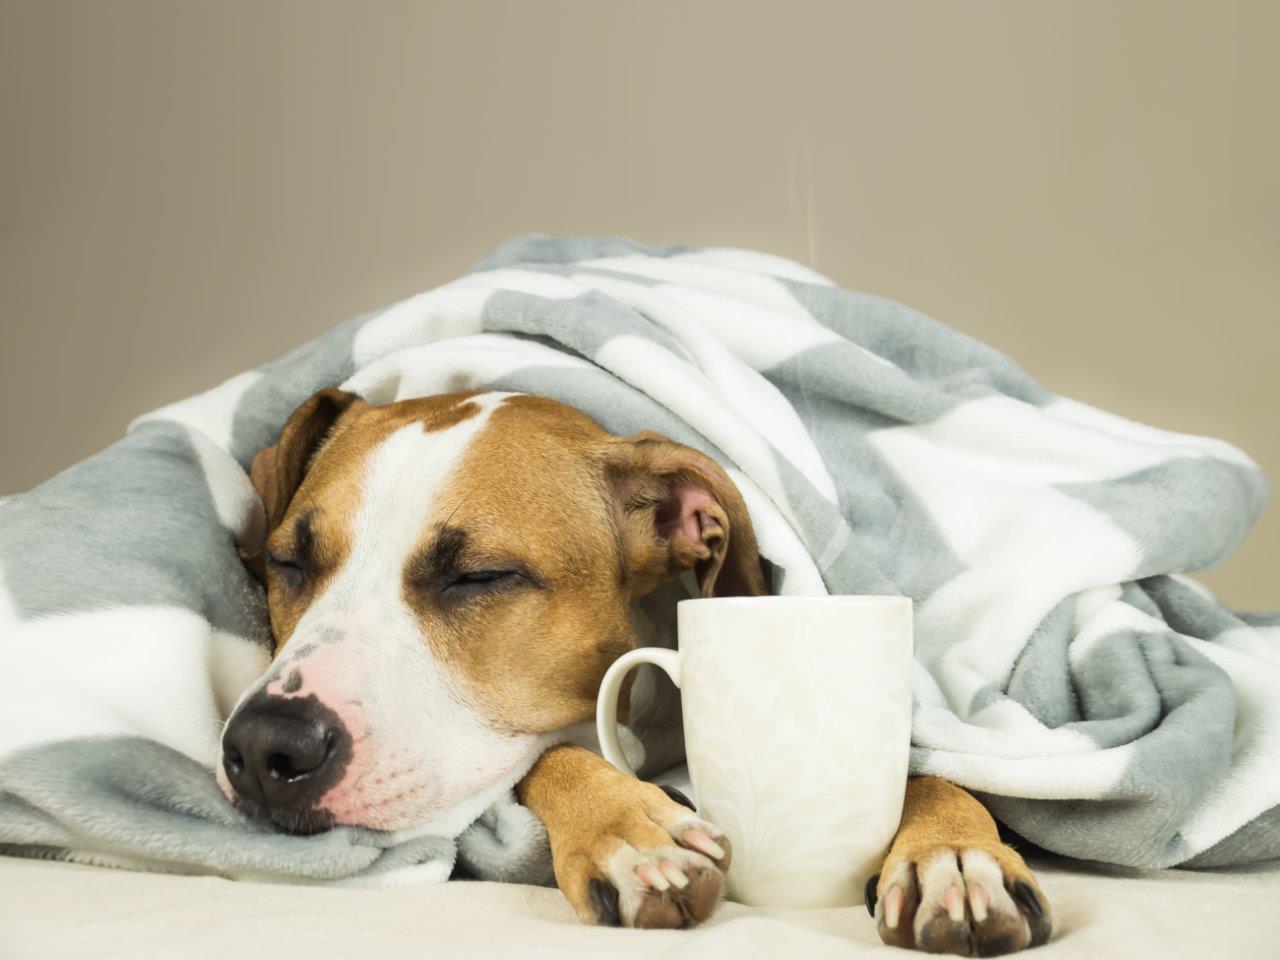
(57, 911)
(1103, 705)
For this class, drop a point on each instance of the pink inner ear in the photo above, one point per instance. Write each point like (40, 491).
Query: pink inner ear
(680, 518)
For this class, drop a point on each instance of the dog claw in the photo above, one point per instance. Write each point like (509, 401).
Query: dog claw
(701, 841)
(1033, 908)
(671, 871)
(604, 897)
(978, 901)
(653, 877)
(677, 796)
(1027, 899)
(953, 900)
(893, 900)
(869, 893)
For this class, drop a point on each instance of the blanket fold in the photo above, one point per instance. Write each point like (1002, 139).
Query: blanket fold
(1102, 703)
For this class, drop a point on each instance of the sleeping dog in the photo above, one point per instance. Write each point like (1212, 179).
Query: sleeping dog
(448, 579)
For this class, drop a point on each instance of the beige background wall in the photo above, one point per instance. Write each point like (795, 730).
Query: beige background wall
(189, 189)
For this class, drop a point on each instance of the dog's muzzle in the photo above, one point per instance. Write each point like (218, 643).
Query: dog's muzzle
(281, 755)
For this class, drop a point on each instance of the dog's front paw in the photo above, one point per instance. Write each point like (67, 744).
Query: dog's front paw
(974, 900)
(639, 859)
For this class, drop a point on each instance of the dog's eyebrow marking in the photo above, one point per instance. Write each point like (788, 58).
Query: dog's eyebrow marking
(446, 550)
(442, 557)
(304, 538)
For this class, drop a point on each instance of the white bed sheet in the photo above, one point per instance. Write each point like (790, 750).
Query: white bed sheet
(56, 910)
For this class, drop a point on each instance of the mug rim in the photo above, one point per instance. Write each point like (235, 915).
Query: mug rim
(831, 599)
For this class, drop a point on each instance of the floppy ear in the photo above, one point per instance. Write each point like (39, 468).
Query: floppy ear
(678, 510)
(277, 471)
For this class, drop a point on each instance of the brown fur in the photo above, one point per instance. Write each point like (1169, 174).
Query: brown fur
(314, 471)
(640, 471)
(591, 811)
(544, 489)
(525, 496)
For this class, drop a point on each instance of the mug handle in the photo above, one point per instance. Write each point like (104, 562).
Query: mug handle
(611, 686)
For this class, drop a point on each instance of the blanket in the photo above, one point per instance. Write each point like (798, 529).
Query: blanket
(1100, 702)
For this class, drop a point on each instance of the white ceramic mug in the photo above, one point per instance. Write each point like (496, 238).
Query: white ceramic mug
(797, 725)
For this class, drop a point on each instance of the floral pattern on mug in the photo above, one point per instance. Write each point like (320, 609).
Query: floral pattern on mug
(798, 739)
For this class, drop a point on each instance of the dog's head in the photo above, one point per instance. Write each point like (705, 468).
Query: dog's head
(448, 579)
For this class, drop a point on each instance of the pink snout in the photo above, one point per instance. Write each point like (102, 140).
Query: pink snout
(298, 752)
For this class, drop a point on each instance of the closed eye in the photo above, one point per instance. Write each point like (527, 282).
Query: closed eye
(289, 568)
(482, 579)
(296, 563)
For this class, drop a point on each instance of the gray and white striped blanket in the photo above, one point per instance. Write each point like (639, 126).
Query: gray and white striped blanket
(1104, 705)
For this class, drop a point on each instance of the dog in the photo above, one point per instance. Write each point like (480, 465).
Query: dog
(448, 578)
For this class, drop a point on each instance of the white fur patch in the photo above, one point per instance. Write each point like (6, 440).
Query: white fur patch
(420, 748)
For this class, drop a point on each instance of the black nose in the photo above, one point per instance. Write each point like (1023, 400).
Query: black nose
(281, 755)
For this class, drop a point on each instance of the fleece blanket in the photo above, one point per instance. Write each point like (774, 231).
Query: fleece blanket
(1102, 704)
